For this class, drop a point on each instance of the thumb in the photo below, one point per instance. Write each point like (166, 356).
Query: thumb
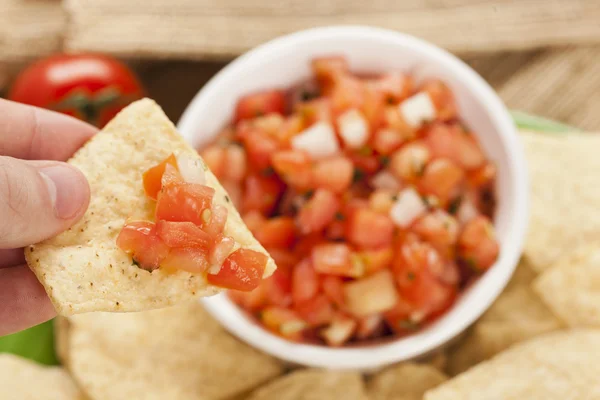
(38, 200)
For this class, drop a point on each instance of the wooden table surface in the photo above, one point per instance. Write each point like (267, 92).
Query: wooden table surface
(540, 55)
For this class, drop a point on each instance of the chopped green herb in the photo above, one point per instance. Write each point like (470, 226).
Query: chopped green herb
(259, 114)
(237, 143)
(308, 194)
(395, 197)
(358, 175)
(411, 276)
(390, 100)
(385, 160)
(472, 264)
(408, 325)
(134, 262)
(455, 205)
(227, 199)
(269, 171)
(365, 151)
(308, 95)
(339, 216)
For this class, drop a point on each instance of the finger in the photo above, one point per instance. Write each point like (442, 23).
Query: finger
(32, 133)
(11, 257)
(38, 200)
(23, 301)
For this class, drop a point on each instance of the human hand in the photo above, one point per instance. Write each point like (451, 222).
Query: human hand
(39, 198)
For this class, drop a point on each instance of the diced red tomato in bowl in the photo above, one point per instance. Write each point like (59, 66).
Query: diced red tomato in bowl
(367, 192)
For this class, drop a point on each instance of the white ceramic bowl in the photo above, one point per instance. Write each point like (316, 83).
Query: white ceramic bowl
(285, 61)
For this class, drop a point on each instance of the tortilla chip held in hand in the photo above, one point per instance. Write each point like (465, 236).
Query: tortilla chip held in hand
(159, 230)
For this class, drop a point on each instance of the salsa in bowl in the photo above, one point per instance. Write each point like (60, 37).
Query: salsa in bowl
(386, 190)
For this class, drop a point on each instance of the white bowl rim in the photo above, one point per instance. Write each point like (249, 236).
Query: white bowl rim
(376, 356)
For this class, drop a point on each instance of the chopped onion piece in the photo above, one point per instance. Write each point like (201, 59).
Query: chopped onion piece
(191, 170)
(371, 295)
(319, 141)
(417, 109)
(354, 128)
(214, 269)
(339, 331)
(466, 211)
(407, 208)
(386, 181)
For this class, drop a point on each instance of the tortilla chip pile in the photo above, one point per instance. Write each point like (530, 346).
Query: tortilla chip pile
(539, 340)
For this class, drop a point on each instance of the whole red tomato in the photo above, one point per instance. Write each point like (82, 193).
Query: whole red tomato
(90, 87)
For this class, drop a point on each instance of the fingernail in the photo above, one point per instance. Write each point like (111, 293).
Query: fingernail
(65, 189)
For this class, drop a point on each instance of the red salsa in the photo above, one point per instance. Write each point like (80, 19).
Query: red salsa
(188, 231)
(372, 196)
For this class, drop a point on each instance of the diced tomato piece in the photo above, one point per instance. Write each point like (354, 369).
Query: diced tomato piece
(371, 295)
(285, 259)
(370, 229)
(213, 222)
(305, 283)
(376, 260)
(184, 202)
(279, 288)
(153, 176)
(190, 259)
(387, 140)
(242, 270)
(333, 288)
(396, 86)
(442, 98)
(183, 234)
(291, 126)
(328, 69)
(294, 167)
(261, 194)
(262, 103)
(279, 232)
(483, 176)
(415, 268)
(306, 243)
(442, 179)
(337, 229)
(318, 212)
(339, 331)
(453, 143)
(251, 301)
(259, 148)
(335, 259)
(253, 220)
(478, 245)
(334, 174)
(373, 106)
(440, 229)
(235, 163)
(367, 162)
(214, 158)
(399, 317)
(222, 247)
(381, 201)
(410, 161)
(284, 322)
(393, 119)
(369, 326)
(348, 92)
(140, 239)
(315, 111)
(316, 311)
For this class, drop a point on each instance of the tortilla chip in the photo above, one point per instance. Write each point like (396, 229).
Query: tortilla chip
(564, 195)
(516, 316)
(82, 269)
(21, 379)
(61, 338)
(313, 384)
(523, 276)
(571, 288)
(173, 353)
(407, 381)
(557, 366)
